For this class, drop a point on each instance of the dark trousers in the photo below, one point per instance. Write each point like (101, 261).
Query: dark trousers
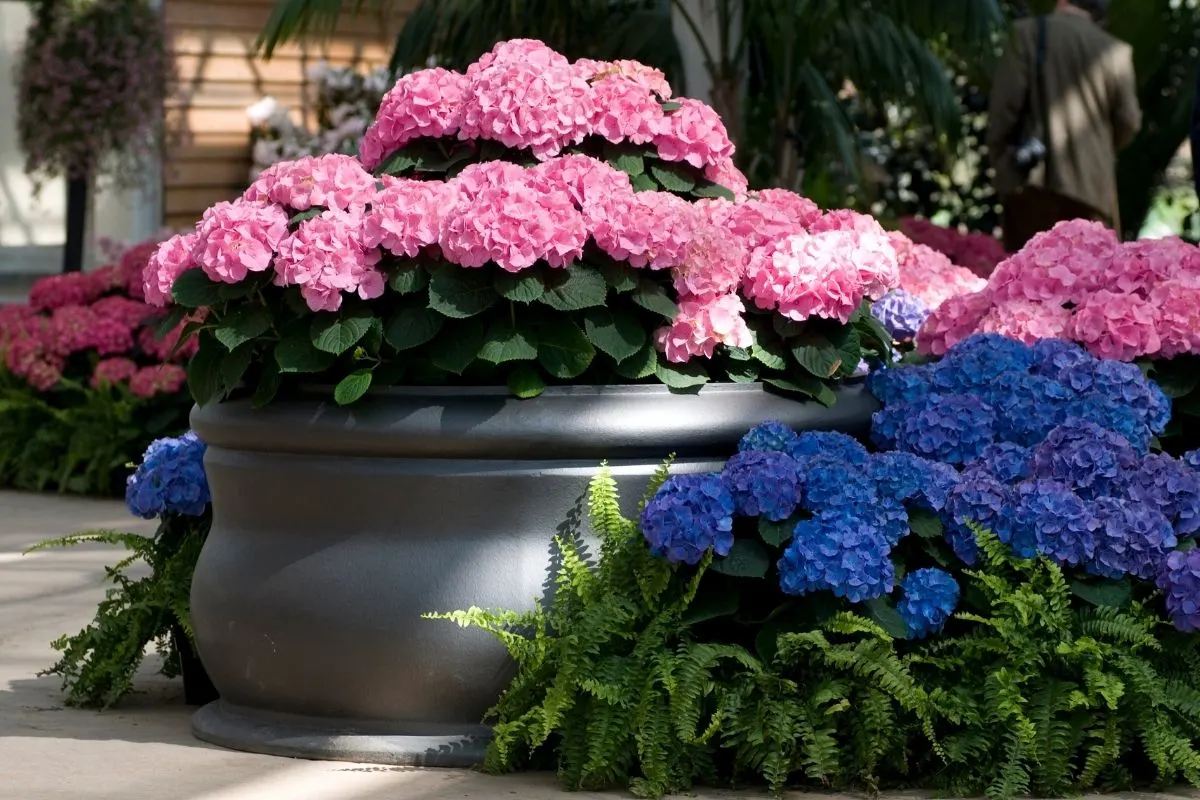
(1033, 210)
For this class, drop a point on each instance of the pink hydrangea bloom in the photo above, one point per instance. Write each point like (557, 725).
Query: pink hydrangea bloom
(624, 111)
(644, 228)
(405, 215)
(170, 260)
(68, 289)
(1141, 265)
(514, 223)
(1060, 265)
(150, 382)
(112, 371)
(164, 349)
(978, 252)
(1116, 326)
(951, 322)
(929, 275)
(326, 257)
(334, 180)
(1027, 322)
(588, 181)
(43, 374)
(123, 309)
(236, 239)
(693, 133)
(701, 325)
(651, 79)
(878, 266)
(797, 208)
(810, 275)
(427, 103)
(524, 95)
(714, 261)
(77, 328)
(1177, 304)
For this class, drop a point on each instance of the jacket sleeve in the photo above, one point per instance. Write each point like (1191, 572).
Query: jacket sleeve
(1007, 100)
(1126, 111)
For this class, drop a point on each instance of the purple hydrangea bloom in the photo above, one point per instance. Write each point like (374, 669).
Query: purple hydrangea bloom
(1091, 460)
(687, 517)
(1179, 579)
(763, 483)
(1112, 415)
(1053, 521)
(1053, 357)
(1004, 461)
(977, 360)
(930, 597)
(830, 485)
(949, 428)
(1192, 459)
(838, 553)
(901, 313)
(813, 447)
(1172, 487)
(770, 435)
(170, 479)
(893, 385)
(983, 501)
(1131, 539)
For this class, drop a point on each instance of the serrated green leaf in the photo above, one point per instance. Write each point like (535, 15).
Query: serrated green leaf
(194, 289)
(925, 523)
(169, 322)
(396, 163)
(770, 353)
(575, 288)
(333, 333)
(522, 287)
(525, 382)
(644, 183)
(617, 332)
(508, 342)
(654, 298)
(621, 278)
(412, 326)
(804, 386)
(307, 214)
(458, 347)
(887, 617)
(296, 353)
(673, 177)
(268, 386)
(714, 191)
(776, 534)
(461, 293)
(670, 105)
(747, 559)
(563, 349)
(204, 371)
(352, 387)
(409, 279)
(630, 163)
(818, 356)
(691, 375)
(242, 326)
(641, 364)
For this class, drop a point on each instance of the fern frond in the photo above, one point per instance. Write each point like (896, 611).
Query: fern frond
(131, 541)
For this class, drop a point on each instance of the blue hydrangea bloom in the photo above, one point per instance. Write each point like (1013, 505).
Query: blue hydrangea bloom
(1192, 459)
(893, 385)
(1053, 357)
(930, 597)
(1004, 461)
(1114, 416)
(1053, 521)
(170, 479)
(1172, 487)
(838, 553)
(813, 447)
(1027, 406)
(1123, 384)
(886, 424)
(982, 501)
(763, 483)
(1131, 539)
(1179, 579)
(1091, 460)
(949, 428)
(943, 479)
(900, 476)
(831, 485)
(901, 313)
(977, 360)
(687, 517)
(770, 435)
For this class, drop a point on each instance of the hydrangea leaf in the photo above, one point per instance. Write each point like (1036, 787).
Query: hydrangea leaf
(715, 191)
(307, 214)
(204, 371)
(641, 364)
(887, 617)
(170, 322)
(712, 602)
(770, 353)
(653, 297)
(522, 287)
(412, 326)
(925, 523)
(508, 342)
(332, 333)
(742, 371)
(575, 288)
(805, 386)
(670, 105)
(409, 279)
(644, 183)
(1116, 594)
(563, 349)
(456, 350)
(1176, 380)
(296, 353)
(397, 163)
(621, 278)
(242, 325)
(626, 159)
(617, 332)
(526, 382)
(194, 289)
(690, 376)
(234, 366)
(460, 293)
(747, 559)
(352, 387)
(673, 177)
(776, 534)
(268, 386)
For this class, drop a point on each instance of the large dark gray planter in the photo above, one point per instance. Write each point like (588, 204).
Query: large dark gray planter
(335, 529)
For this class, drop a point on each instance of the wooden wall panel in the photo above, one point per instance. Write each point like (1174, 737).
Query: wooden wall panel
(208, 159)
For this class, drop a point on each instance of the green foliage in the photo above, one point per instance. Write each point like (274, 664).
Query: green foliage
(97, 665)
(78, 439)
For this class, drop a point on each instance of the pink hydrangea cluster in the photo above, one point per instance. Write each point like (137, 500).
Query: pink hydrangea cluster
(524, 95)
(929, 274)
(76, 319)
(975, 251)
(1077, 281)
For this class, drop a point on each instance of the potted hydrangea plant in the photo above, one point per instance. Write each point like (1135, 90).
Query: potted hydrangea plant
(412, 360)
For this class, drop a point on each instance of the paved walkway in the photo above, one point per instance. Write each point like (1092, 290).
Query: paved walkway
(144, 749)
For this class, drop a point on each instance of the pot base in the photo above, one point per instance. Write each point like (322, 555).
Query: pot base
(295, 737)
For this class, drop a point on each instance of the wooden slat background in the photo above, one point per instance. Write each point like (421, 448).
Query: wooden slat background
(208, 158)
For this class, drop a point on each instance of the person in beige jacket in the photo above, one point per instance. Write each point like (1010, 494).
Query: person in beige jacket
(1090, 111)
